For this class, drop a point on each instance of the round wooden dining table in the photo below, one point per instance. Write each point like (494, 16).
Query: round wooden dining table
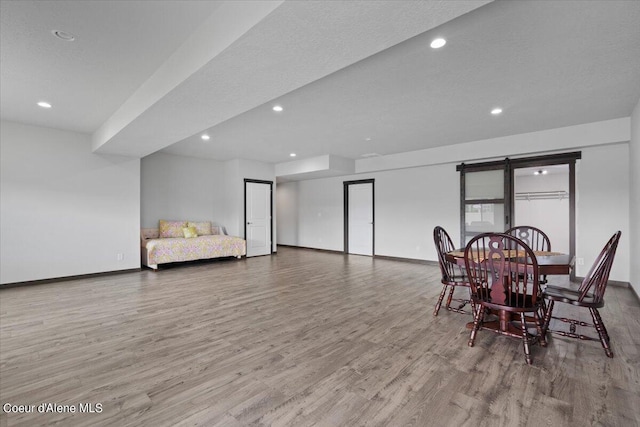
(549, 263)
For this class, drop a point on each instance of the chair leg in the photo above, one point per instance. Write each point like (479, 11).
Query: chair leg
(601, 322)
(602, 331)
(525, 338)
(478, 317)
(547, 317)
(440, 298)
(450, 297)
(542, 311)
(540, 328)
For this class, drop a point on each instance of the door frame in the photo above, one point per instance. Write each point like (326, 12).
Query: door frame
(346, 185)
(260, 181)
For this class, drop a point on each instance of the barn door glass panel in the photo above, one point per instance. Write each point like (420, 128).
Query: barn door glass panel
(484, 202)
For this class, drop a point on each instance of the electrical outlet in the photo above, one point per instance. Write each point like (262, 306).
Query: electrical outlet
(120, 257)
(579, 261)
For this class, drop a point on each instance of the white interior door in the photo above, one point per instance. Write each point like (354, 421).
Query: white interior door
(360, 219)
(258, 215)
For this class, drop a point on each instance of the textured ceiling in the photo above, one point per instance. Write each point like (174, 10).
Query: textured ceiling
(119, 45)
(547, 64)
(345, 72)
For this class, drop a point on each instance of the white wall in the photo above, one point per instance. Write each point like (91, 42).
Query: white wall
(189, 188)
(320, 214)
(64, 211)
(287, 204)
(602, 201)
(634, 191)
(181, 188)
(409, 202)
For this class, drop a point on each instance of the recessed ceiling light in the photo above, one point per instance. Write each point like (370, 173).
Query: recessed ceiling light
(292, 155)
(277, 108)
(438, 43)
(44, 104)
(205, 137)
(540, 172)
(63, 35)
(496, 111)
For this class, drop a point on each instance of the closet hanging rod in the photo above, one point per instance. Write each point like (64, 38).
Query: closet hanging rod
(542, 195)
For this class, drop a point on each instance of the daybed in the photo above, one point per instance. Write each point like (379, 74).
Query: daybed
(177, 241)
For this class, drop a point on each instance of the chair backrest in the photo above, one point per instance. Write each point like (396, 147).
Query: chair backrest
(598, 276)
(502, 270)
(444, 244)
(532, 236)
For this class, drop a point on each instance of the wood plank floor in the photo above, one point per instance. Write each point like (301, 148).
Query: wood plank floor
(297, 339)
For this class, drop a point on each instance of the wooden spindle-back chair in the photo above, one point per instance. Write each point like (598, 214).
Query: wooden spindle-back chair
(452, 274)
(503, 274)
(589, 295)
(535, 238)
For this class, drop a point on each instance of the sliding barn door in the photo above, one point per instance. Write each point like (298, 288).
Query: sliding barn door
(490, 201)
